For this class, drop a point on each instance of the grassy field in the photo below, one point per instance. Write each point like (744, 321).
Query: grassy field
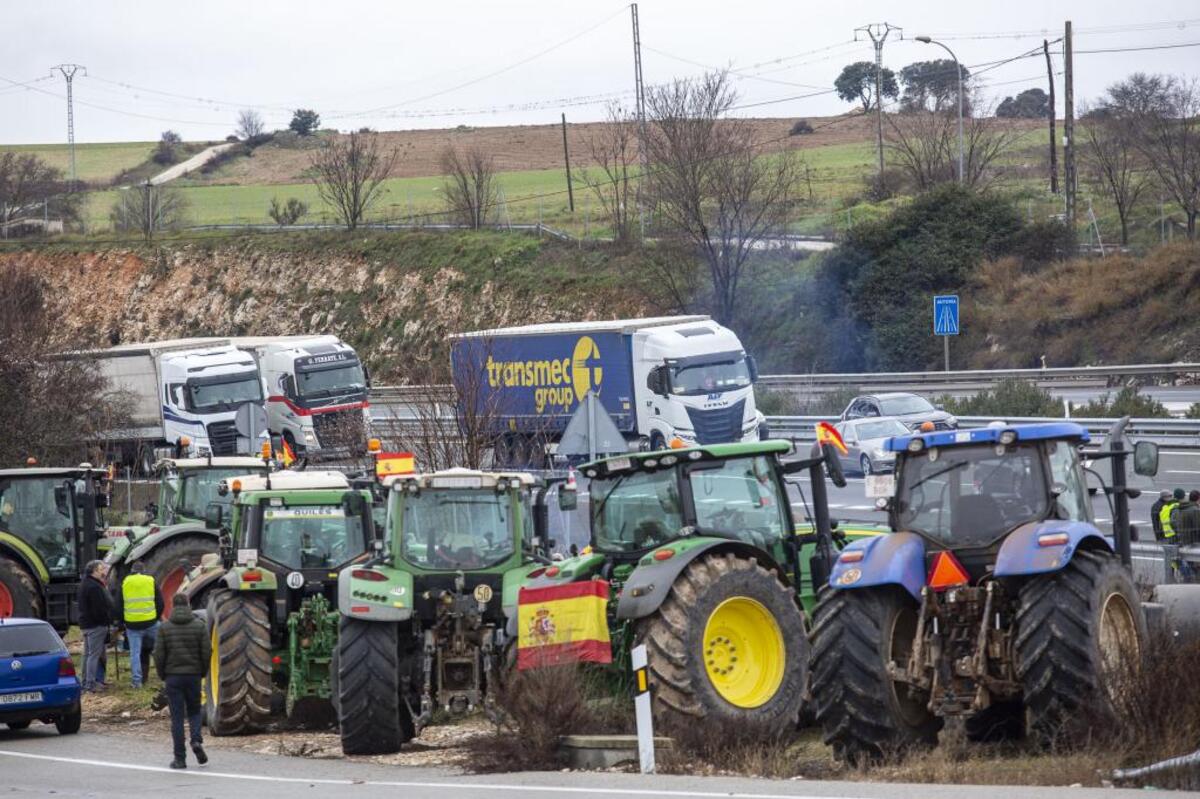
(94, 162)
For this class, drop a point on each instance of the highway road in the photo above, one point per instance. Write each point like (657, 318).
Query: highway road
(101, 765)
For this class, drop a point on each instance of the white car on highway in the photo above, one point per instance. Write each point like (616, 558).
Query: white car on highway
(864, 444)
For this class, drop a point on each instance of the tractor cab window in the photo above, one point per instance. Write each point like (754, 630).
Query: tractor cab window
(970, 496)
(739, 498)
(188, 494)
(635, 511)
(30, 511)
(1072, 500)
(310, 536)
(456, 528)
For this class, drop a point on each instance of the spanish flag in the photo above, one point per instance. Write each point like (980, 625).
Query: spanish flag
(563, 624)
(389, 463)
(286, 455)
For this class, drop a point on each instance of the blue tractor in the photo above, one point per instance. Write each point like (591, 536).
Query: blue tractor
(996, 600)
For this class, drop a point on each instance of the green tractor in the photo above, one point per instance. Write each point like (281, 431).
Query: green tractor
(50, 523)
(175, 537)
(271, 591)
(423, 622)
(706, 567)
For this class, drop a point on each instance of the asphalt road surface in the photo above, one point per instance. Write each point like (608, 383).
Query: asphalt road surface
(39, 761)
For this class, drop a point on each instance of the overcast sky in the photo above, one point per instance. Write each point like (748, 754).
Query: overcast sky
(153, 65)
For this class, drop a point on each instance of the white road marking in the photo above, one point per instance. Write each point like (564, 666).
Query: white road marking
(452, 786)
(1181, 471)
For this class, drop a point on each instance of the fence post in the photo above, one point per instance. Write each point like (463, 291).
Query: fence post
(641, 705)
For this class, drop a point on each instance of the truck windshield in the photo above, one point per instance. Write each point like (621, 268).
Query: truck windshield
(710, 378)
(221, 393)
(340, 379)
(970, 496)
(30, 511)
(311, 536)
(635, 511)
(456, 528)
(188, 494)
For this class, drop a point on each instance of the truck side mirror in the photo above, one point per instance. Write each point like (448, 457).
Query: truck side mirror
(289, 386)
(568, 499)
(752, 367)
(1145, 458)
(833, 465)
(213, 516)
(366, 375)
(656, 381)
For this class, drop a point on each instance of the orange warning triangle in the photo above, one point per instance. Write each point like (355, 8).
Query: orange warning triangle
(947, 572)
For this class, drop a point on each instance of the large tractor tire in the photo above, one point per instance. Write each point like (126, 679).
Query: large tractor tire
(170, 562)
(375, 719)
(19, 594)
(1079, 632)
(727, 648)
(237, 691)
(864, 714)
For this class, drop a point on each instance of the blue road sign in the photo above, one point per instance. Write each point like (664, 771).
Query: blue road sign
(945, 315)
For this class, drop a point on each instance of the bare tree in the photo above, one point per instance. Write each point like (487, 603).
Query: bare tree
(350, 171)
(710, 180)
(470, 189)
(924, 145)
(147, 209)
(614, 178)
(1111, 163)
(250, 126)
(1167, 119)
(30, 188)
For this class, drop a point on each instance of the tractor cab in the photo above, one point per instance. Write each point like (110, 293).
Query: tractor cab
(188, 485)
(50, 524)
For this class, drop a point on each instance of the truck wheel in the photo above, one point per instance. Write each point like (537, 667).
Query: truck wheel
(865, 714)
(374, 718)
(237, 691)
(1077, 629)
(170, 562)
(727, 647)
(19, 595)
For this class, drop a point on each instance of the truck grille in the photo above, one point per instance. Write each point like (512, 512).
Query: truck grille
(340, 429)
(718, 426)
(222, 437)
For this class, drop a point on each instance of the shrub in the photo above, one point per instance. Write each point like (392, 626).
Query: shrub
(776, 403)
(1009, 398)
(167, 151)
(1194, 411)
(304, 121)
(800, 127)
(288, 213)
(1128, 402)
(1044, 242)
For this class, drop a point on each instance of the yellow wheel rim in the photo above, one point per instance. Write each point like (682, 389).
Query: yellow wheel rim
(744, 652)
(214, 668)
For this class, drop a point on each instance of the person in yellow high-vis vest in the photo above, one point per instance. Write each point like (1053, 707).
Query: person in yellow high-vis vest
(1164, 515)
(141, 605)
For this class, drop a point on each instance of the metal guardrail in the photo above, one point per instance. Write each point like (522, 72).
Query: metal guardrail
(1073, 375)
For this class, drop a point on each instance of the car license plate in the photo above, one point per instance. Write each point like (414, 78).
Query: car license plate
(20, 699)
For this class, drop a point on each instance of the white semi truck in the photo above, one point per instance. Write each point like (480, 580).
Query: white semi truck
(184, 391)
(316, 391)
(664, 381)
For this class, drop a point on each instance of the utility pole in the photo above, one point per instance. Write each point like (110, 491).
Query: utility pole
(147, 202)
(68, 71)
(1069, 127)
(1053, 134)
(640, 99)
(878, 33)
(567, 161)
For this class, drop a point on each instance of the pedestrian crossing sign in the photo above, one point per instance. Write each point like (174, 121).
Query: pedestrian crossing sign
(945, 315)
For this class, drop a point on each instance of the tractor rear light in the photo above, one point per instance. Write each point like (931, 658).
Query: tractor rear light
(66, 667)
(664, 554)
(360, 608)
(252, 577)
(947, 572)
(851, 556)
(277, 660)
(552, 571)
(1053, 539)
(367, 574)
(538, 572)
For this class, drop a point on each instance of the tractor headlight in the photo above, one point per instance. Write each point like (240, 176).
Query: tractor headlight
(916, 445)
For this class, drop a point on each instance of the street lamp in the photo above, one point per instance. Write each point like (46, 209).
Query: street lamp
(958, 72)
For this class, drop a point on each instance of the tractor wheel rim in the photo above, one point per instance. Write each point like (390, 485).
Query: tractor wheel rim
(169, 587)
(901, 637)
(745, 656)
(7, 606)
(1120, 648)
(214, 668)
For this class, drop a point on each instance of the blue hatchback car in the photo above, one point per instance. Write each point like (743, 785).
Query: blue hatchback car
(37, 677)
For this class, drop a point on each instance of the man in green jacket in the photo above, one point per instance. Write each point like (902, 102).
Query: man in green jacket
(181, 658)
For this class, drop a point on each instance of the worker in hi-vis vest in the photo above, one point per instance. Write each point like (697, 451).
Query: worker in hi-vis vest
(141, 606)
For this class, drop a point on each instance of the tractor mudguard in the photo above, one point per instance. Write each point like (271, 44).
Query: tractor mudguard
(142, 548)
(894, 559)
(391, 607)
(192, 586)
(26, 555)
(1021, 554)
(648, 585)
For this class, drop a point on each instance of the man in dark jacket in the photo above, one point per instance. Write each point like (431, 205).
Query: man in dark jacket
(181, 659)
(1185, 518)
(95, 617)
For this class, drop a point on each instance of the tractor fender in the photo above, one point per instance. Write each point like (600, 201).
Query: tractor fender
(1020, 554)
(197, 583)
(143, 547)
(648, 585)
(26, 555)
(368, 609)
(894, 559)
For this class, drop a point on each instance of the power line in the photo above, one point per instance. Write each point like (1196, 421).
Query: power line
(1139, 49)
